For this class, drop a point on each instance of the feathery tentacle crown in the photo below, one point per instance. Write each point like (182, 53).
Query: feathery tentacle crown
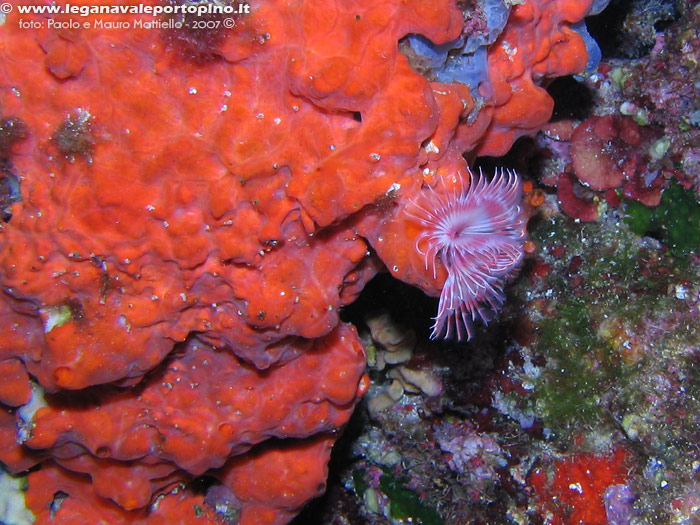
(478, 234)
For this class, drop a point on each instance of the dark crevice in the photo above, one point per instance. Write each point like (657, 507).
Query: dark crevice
(403, 302)
(628, 28)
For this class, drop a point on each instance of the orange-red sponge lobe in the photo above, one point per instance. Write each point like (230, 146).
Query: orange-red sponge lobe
(185, 214)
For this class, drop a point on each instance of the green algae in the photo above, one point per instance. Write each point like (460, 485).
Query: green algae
(675, 221)
(556, 229)
(359, 481)
(405, 505)
(611, 325)
(582, 366)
